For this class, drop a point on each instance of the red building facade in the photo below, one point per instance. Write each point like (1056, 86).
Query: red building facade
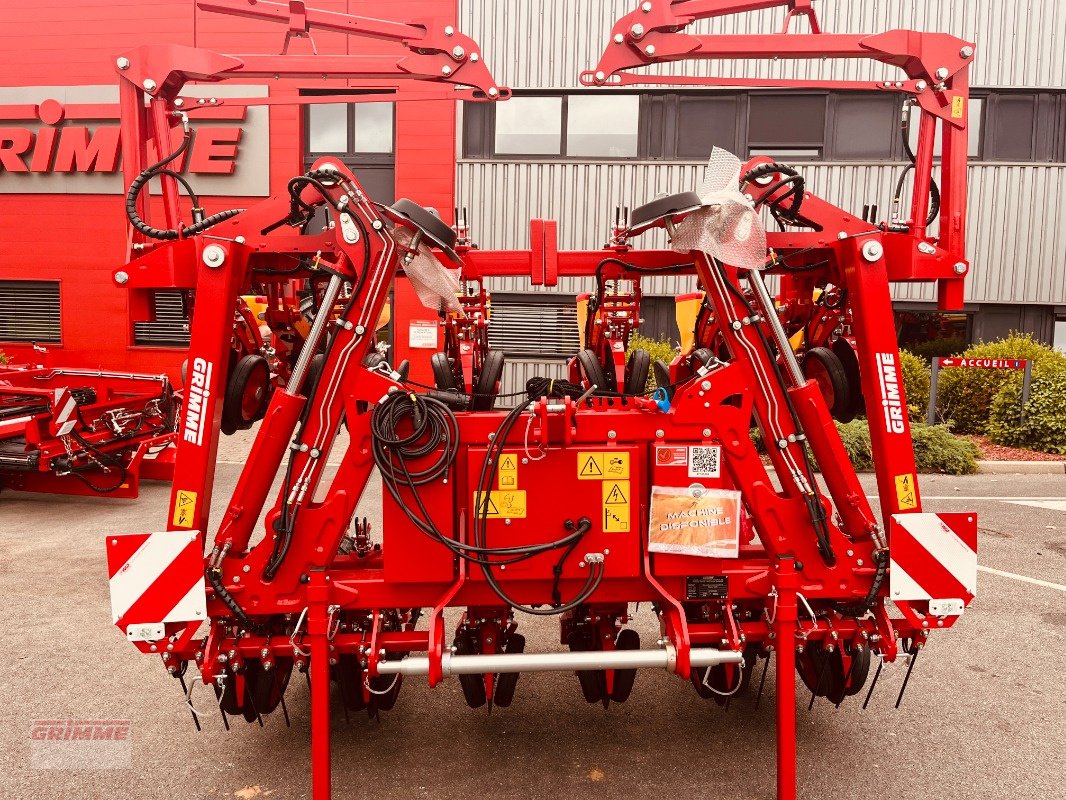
(62, 220)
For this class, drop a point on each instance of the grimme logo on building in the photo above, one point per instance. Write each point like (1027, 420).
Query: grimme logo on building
(66, 140)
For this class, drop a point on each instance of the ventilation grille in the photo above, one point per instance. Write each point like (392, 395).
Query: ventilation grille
(543, 330)
(29, 311)
(170, 328)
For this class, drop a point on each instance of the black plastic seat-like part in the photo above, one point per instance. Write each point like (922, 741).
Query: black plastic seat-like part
(647, 215)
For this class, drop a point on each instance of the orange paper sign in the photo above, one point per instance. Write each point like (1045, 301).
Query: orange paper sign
(694, 522)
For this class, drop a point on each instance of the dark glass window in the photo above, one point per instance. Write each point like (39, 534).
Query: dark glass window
(706, 122)
(864, 127)
(786, 125)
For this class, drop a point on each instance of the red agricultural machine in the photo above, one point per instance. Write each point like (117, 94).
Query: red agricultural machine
(567, 504)
(84, 432)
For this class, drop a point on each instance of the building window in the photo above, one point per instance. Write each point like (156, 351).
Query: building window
(973, 130)
(864, 127)
(351, 129)
(29, 311)
(786, 125)
(534, 326)
(169, 326)
(705, 122)
(580, 126)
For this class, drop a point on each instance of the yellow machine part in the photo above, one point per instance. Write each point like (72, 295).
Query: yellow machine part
(686, 309)
(582, 317)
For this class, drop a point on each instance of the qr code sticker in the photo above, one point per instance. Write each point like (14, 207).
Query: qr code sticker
(704, 462)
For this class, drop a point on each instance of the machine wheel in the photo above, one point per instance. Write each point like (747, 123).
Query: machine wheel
(473, 686)
(662, 377)
(247, 393)
(267, 686)
(846, 353)
(701, 357)
(857, 673)
(314, 372)
(822, 365)
(821, 671)
(443, 377)
(385, 689)
(488, 382)
(592, 370)
(628, 639)
(348, 673)
(724, 680)
(506, 682)
(593, 681)
(637, 368)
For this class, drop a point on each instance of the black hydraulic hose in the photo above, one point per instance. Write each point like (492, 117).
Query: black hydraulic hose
(934, 189)
(214, 577)
(137, 185)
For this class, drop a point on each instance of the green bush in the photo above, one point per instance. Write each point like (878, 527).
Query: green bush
(937, 449)
(3, 357)
(1044, 427)
(965, 396)
(916, 379)
(657, 348)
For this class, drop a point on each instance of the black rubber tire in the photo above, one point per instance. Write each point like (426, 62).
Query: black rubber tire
(662, 378)
(348, 675)
(592, 370)
(628, 639)
(314, 372)
(506, 682)
(637, 368)
(593, 681)
(239, 409)
(823, 365)
(373, 359)
(473, 686)
(443, 377)
(488, 382)
(859, 671)
(701, 357)
(846, 353)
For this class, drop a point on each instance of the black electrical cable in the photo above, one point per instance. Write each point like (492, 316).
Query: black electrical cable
(214, 577)
(138, 184)
(103, 458)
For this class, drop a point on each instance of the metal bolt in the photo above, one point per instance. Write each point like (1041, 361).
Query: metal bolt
(360, 329)
(619, 38)
(123, 63)
(612, 435)
(236, 578)
(474, 57)
(736, 325)
(872, 250)
(966, 52)
(650, 49)
(458, 52)
(660, 433)
(493, 91)
(851, 553)
(149, 85)
(842, 235)
(376, 225)
(315, 452)
(960, 268)
(240, 240)
(942, 73)
(637, 30)
(121, 278)
(600, 76)
(449, 30)
(645, 7)
(921, 86)
(706, 433)
(705, 385)
(445, 70)
(179, 102)
(925, 247)
(214, 256)
(246, 568)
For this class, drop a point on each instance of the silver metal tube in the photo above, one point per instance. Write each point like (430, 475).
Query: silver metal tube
(314, 336)
(557, 662)
(767, 303)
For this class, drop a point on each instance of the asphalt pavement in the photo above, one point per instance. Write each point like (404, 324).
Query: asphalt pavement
(983, 717)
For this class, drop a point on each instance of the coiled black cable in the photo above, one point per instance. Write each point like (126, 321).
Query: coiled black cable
(934, 189)
(200, 224)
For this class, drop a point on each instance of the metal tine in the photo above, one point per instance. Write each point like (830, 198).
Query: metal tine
(285, 711)
(869, 694)
(906, 678)
(225, 719)
(185, 691)
(762, 681)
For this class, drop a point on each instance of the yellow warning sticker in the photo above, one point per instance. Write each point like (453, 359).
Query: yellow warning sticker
(958, 107)
(602, 466)
(502, 505)
(906, 492)
(507, 474)
(184, 509)
(616, 506)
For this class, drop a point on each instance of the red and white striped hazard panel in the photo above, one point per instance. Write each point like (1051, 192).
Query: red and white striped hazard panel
(933, 557)
(155, 578)
(64, 407)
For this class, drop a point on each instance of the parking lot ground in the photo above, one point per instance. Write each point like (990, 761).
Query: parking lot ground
(982, 718)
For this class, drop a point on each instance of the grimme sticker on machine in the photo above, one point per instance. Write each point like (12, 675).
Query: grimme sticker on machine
(694, 521)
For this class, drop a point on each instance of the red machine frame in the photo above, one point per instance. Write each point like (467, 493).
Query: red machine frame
(358, 601)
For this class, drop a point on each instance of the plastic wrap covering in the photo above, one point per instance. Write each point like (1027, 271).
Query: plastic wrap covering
(727, 228)
(433, 282)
